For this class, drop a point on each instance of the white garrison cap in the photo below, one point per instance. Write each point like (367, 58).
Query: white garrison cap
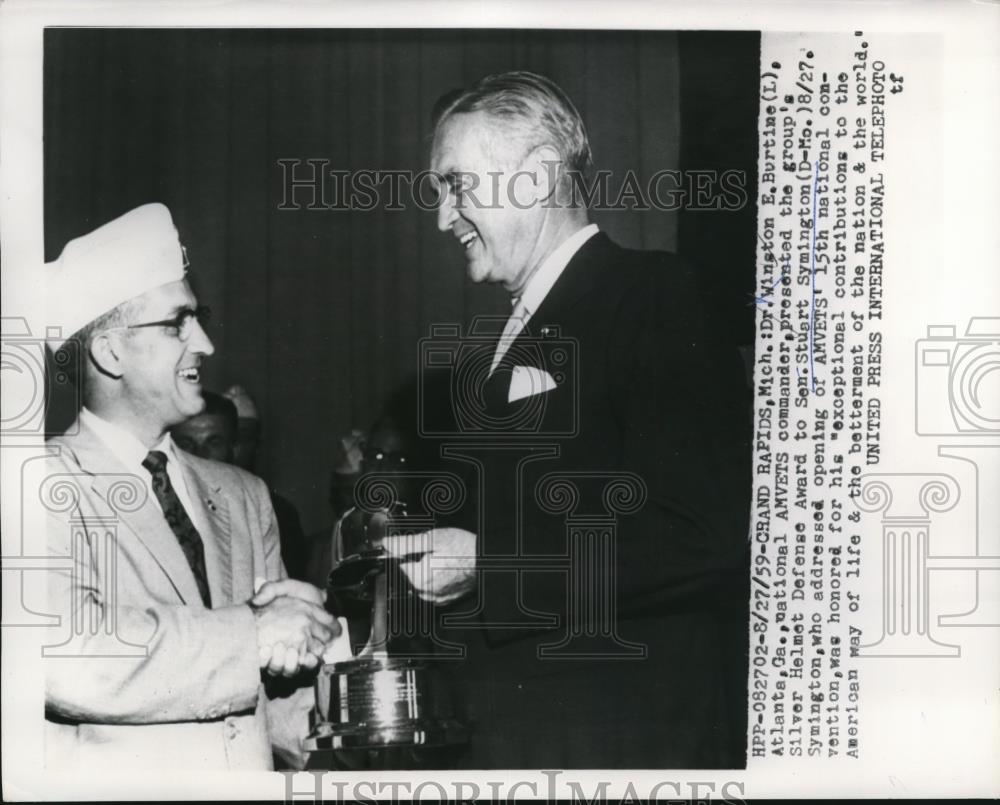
(116, 262)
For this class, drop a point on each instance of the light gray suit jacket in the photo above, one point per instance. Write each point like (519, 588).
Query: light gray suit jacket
(147, 676)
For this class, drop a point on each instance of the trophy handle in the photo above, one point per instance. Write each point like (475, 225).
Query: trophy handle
(378, 638)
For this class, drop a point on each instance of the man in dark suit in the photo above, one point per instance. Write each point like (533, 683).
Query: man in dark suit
(167, 577)
(604, 574)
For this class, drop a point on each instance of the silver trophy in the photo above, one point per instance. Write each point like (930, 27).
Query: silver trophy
(378, 700)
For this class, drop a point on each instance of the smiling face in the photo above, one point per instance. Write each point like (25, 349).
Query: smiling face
(160, 374)
(486, 205)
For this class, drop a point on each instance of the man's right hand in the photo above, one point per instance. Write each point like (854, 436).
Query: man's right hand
(440, 564)
(292, 634)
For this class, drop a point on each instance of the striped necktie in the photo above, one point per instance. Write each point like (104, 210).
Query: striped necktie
(178, 520)
(510, 333)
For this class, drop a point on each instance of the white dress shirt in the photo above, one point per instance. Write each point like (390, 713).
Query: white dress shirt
(131, 452)
(538, 288)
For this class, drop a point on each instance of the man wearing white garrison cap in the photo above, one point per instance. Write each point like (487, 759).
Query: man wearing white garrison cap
(168, 645)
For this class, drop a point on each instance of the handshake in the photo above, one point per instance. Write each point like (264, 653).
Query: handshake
(294, 630)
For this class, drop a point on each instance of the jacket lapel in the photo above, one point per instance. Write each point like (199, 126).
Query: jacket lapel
(143, 519)
(580, 277)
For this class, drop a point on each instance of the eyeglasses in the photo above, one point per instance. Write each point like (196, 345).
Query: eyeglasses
(182, 324)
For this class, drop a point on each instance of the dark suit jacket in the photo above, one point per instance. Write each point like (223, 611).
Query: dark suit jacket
(649, 395)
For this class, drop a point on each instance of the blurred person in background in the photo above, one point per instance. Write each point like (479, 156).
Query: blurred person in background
(216, 434)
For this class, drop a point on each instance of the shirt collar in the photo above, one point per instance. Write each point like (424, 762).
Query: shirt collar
(549, 271)
(122, 444)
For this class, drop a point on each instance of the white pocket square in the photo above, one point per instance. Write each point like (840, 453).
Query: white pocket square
(527, 381)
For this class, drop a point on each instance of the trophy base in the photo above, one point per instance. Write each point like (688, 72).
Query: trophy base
(378, 702)
(327, 736)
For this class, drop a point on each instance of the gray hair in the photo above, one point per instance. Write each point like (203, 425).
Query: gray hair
(74, 354)
(533, 109)
(118, 316)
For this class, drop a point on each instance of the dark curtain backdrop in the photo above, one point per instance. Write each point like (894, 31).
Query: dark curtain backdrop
(318, 313)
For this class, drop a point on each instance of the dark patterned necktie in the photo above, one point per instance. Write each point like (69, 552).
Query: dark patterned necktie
(178, 520)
